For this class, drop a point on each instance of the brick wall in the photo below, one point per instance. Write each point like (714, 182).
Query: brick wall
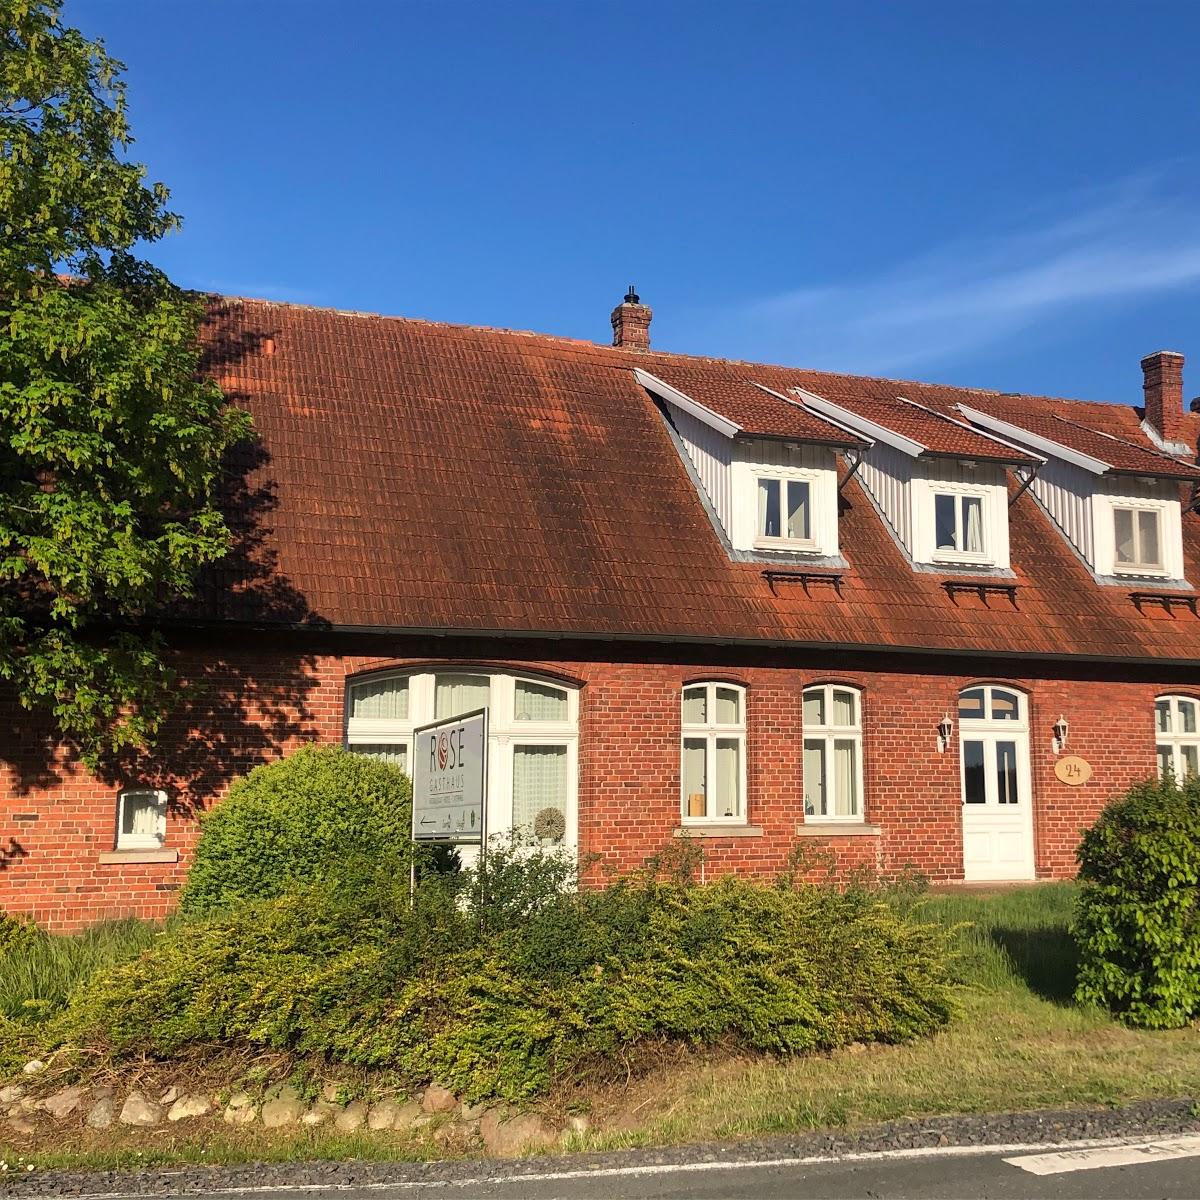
(249, 705)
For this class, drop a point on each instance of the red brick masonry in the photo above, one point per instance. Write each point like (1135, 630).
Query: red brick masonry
(260, 703)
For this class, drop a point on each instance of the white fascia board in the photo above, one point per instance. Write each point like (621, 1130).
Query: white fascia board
(1043, 444)
(796, 403)
(665, 391)
(860, 425)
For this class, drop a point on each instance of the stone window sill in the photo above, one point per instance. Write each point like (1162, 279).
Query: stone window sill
(131, 857)
(718, 831)
(837, 829)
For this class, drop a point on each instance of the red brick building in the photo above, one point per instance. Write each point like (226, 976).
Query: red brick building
(754, 605)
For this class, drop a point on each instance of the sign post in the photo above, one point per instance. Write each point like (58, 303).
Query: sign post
(449, 785)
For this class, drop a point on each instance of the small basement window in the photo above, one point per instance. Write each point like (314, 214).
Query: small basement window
(1138, 536)
(141, 819)
(784, 511)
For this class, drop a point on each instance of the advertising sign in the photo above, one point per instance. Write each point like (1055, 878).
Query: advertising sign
(449, 779)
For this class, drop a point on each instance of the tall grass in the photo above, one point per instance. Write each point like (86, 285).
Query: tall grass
(1011, 939)
(38, 974)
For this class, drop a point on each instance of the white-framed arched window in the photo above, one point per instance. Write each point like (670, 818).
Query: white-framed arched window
(533, 736)
(1177, 735)
(833, 765)
(713, 754)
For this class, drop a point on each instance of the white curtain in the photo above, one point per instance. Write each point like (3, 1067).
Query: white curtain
(729, 777)
(141, 815)
(695, 708)
(768, 507)
(459, 694)
(539, 782)
(973, 519)
(383, 698)
(1148, 529)
(539, 702)
(396, 755)
(845, 754)
(1123, 528)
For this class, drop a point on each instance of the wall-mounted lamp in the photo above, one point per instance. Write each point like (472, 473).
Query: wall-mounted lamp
(1061, 729)
(945, 729)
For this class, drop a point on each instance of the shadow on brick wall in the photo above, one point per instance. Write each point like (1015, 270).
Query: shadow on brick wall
(240, 700)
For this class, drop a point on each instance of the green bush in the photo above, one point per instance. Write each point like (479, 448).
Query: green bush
(321, 813)
(17, 933)
(1138, 916)
(556, 980)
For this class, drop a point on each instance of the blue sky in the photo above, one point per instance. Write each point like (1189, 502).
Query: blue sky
(1004, 195)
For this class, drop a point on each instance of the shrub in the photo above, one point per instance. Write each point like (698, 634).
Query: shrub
(1138, 915)
(558, 980)
(17, 933)
(322, 813)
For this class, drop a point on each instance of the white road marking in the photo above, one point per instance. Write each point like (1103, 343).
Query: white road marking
(1128, 1155)
(1061, 1150)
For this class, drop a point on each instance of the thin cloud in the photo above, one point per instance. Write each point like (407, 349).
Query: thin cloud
(1130, 242)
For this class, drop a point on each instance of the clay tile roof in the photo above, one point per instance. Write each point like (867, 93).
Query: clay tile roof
(729, 391)
(413, 476)
(1123, 455)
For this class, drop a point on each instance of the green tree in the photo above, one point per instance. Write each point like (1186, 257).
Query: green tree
(111, 442)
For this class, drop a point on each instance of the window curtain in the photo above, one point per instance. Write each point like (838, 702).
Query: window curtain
(139, 815)
(384, 698)
(845, 778)
(973, 520)
(768, 507)
(538, 702)
(396, 755)
(729, 778)
(1148, 530)
(539, 782)
(944, 523)
(695, 777)
(1123, 528)
(457, 694)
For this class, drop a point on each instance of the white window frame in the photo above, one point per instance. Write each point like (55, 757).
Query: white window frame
(1136, 507)
(783, 477)
(829, 734)
(505, 731)
(1175, 739)
(959, 493)
(141, 841)
(713, 731)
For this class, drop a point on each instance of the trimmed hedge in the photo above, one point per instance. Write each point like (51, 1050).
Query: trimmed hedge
(554, 981)
(308, 817)
(1138, 916)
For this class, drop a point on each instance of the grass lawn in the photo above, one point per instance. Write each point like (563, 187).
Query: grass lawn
(1019, 1043)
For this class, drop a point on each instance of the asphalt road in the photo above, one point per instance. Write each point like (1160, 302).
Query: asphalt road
(1166, 1168)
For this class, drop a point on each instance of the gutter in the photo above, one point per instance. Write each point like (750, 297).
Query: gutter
(676, 639)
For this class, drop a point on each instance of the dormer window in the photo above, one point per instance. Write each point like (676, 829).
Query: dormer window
(958, 525)
(1138, 535)
(784, 512)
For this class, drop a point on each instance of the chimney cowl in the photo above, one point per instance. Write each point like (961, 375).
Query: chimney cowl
(631, 322)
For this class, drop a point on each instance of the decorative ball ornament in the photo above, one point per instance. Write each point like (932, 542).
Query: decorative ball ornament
(550, 825)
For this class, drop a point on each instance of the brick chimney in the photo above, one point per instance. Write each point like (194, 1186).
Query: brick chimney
(1162, 381)
(631, 323)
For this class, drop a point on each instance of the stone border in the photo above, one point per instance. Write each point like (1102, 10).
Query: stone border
(1153, 1117)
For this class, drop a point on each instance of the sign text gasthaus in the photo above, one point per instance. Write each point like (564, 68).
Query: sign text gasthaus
(449, 779)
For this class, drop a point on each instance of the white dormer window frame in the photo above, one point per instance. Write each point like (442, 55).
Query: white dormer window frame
(967, 530)
(1139, 566)
(992, 533)
(782, 481)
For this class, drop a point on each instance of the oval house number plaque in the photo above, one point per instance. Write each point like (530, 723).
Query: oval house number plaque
(1073, 770)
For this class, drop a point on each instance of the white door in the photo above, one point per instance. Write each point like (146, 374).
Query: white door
(997, 809)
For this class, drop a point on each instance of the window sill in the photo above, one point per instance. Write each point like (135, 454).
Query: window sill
(131, 857)
(718, 831)
(797, 545)
(837, 829)
(943, 559)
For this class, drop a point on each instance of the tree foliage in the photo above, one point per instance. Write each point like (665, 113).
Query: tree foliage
(110, 439)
